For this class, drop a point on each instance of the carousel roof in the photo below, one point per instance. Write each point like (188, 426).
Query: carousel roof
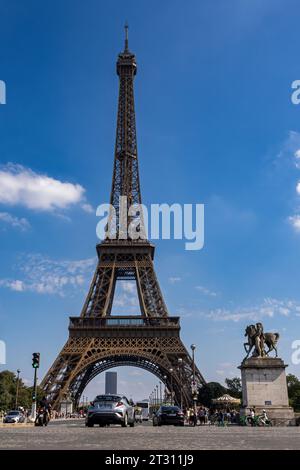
(226, 399)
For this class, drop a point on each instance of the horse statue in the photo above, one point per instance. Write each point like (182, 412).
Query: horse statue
(257, 339)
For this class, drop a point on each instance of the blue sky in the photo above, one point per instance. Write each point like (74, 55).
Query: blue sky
(215, 124)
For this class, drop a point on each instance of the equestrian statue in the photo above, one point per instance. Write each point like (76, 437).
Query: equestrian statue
(257, 340)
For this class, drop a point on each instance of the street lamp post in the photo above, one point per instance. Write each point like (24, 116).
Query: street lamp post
(194, 389)
(180, 378)
(157, 396)
(171, 372)
(160, 393)
(17, 388)
(165, 391)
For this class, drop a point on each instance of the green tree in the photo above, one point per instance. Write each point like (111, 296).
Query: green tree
(210, 391)
(234, 387)
(293, 384)
(8, 388)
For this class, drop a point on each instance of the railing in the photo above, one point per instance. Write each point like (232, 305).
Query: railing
(123, 321)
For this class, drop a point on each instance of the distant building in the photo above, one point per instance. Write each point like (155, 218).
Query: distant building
(111, 382)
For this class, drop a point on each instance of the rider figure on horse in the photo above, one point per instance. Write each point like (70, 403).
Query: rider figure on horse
(259, 339)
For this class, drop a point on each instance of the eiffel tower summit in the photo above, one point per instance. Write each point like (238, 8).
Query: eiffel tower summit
(99, 340)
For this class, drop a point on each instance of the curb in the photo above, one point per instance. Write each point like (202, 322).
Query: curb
(15, 425)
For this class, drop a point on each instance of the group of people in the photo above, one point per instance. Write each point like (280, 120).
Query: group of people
(204, 416)
(192, 416)
(222, 417)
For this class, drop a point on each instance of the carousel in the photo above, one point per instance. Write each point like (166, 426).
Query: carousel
(226, 401)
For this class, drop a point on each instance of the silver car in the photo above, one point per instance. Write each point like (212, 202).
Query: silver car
(110, 409)
(14, 416)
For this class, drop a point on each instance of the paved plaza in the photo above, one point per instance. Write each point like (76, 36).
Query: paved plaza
(74, 435)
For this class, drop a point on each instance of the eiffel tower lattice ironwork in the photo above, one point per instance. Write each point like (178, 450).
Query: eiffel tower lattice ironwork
(99, 340)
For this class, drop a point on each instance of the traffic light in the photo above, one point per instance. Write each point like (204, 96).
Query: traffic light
(36, 360)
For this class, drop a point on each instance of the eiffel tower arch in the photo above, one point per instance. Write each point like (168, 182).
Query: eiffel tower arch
(99, 340)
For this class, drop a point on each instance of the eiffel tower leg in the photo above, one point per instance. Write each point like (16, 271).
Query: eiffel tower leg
(56, 382)
(99, 298)
(150, 296)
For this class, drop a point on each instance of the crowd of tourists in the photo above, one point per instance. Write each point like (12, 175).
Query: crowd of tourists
(203, 416)
(224, 417)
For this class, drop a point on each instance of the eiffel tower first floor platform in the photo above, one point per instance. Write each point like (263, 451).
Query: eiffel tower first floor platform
(97, 344)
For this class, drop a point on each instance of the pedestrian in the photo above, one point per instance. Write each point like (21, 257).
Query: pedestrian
(220, 418)
(251, 417)
(187, 416)
(201, 416)
(205, 416)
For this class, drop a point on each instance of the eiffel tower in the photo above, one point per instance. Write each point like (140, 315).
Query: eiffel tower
(99, 340)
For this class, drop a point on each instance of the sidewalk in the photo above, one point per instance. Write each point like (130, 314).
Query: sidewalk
(15, 425)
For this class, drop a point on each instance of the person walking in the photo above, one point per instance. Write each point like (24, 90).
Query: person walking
(201, 416)
(220, 418)
(251, 417)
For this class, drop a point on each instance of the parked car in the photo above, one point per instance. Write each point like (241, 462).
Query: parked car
(110, 409)
(168, 415)
(14, 416)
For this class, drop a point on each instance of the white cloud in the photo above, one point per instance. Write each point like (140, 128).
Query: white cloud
(268, 308)
(173, 280)
(129, 286)
(20, 223)
(297, 158)
(294, 220)
(206, 291)
(125, 300)
(14, 285)
(87, 208)
(22, 186)
(43, 275)
(290, 149)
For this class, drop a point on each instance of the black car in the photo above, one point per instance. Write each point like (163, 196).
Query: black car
(168, 415)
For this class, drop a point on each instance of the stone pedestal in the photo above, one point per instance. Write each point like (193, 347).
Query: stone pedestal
(264, 387)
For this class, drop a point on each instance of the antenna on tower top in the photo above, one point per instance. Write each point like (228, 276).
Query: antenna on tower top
(126, 37)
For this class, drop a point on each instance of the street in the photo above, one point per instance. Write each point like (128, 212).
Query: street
(72, 434)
